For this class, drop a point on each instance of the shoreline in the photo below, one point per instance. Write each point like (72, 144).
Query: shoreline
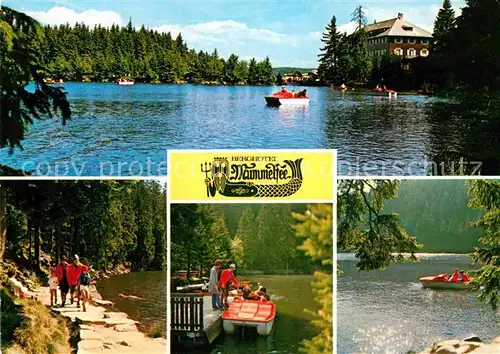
(471, 344)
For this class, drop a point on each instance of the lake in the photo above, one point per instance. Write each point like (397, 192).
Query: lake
(292, 294)
(389, 312)
(151, 286)
(127, 130)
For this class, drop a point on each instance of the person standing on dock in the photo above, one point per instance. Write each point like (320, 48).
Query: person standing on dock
(227, 279)
(213, 286)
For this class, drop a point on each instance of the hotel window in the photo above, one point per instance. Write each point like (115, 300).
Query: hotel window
(398, 51)
(412, 41)
(425, 41)
(398, 40)
(412, 52)
(424, 52)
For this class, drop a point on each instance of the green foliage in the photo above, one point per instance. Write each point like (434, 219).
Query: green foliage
(315, 226)
(20, 38)
(364, 228)
(328, 68)
(108, 223)
(78, 53)
(257, 237)
(437, 214)
(485, 194)
(443, 24)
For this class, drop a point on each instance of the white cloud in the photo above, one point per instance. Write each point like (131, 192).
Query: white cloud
(228, 31)
(61, 15)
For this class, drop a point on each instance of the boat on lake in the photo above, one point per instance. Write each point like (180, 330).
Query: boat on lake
(382, 93)
(50, 81)
(441, 282)
(125, 82)
(249, 313)
(288, 98)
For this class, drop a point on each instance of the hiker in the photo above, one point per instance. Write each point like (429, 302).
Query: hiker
(17, 287)
(62, 278)
(74, 270)
(84, 286)
(213, 287)
(227, 279)
(53, 283)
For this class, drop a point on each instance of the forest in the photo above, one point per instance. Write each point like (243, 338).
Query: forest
(108, 223)
(100, 54)
(463, 61)
(256, 237)
(437, 214)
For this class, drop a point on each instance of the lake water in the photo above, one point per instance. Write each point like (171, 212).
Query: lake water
(151, 286)
(127, 130)
(389, 312)
(292, 294)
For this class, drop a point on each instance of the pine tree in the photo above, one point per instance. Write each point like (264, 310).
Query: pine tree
(483, 195)
(315, 226)
(443, 24)
(359, 17)
(329, 58)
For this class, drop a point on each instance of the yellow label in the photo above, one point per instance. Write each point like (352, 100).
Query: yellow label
(246, 175)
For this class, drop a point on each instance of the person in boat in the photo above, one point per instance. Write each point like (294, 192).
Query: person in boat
(283, 89)
(454, 277)
(463, 277)
(213, 287)
(227, 279)
(343, 87)
(248, 294)
(302, 93)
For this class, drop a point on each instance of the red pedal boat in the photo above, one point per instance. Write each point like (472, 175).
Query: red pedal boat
(441, 282)
(380, 92)
(249, 313)
(287, 98)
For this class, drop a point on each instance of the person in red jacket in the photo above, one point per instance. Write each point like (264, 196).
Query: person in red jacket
(62, 278)
(463, 277)
(74, 272)
(226, 280)
(455, 276)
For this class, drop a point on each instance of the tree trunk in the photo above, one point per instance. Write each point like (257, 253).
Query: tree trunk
(30, 235)
(3, 221)
(76, 236)
(58, 243)
(36, 234)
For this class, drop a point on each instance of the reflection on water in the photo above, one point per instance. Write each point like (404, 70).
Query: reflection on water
(389, 312)
(134, 126)
(292, 294)
(151, 286)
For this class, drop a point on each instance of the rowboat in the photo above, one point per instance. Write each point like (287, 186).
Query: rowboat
(125, 82)
(286, 98)
(386, 93)
(441, 282)
(249, 313)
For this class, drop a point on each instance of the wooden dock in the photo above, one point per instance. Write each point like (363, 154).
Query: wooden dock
(193, 318)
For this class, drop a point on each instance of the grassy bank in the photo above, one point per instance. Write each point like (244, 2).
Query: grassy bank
(29, 327)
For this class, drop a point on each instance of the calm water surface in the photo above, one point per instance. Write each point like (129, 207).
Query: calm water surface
(389, 312)
(119, 130)
(292, 325)
(151, 286)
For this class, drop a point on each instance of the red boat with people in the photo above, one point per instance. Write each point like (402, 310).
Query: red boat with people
(285, 97)
(456, 281)
(259, 314)
(381, 90)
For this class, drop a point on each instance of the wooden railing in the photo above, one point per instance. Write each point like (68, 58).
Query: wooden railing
(186, 313)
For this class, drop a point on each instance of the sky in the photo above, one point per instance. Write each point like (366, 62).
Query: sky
(288, 31)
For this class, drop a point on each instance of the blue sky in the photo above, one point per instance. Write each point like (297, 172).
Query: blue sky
(288, 32)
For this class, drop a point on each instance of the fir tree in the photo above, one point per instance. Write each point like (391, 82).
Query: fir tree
(443, 24)
(328, 68)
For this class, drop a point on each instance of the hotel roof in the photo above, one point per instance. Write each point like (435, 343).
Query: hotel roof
(397, 27)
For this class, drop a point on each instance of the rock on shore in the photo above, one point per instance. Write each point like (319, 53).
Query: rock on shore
(101, 331)
(469, 345)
